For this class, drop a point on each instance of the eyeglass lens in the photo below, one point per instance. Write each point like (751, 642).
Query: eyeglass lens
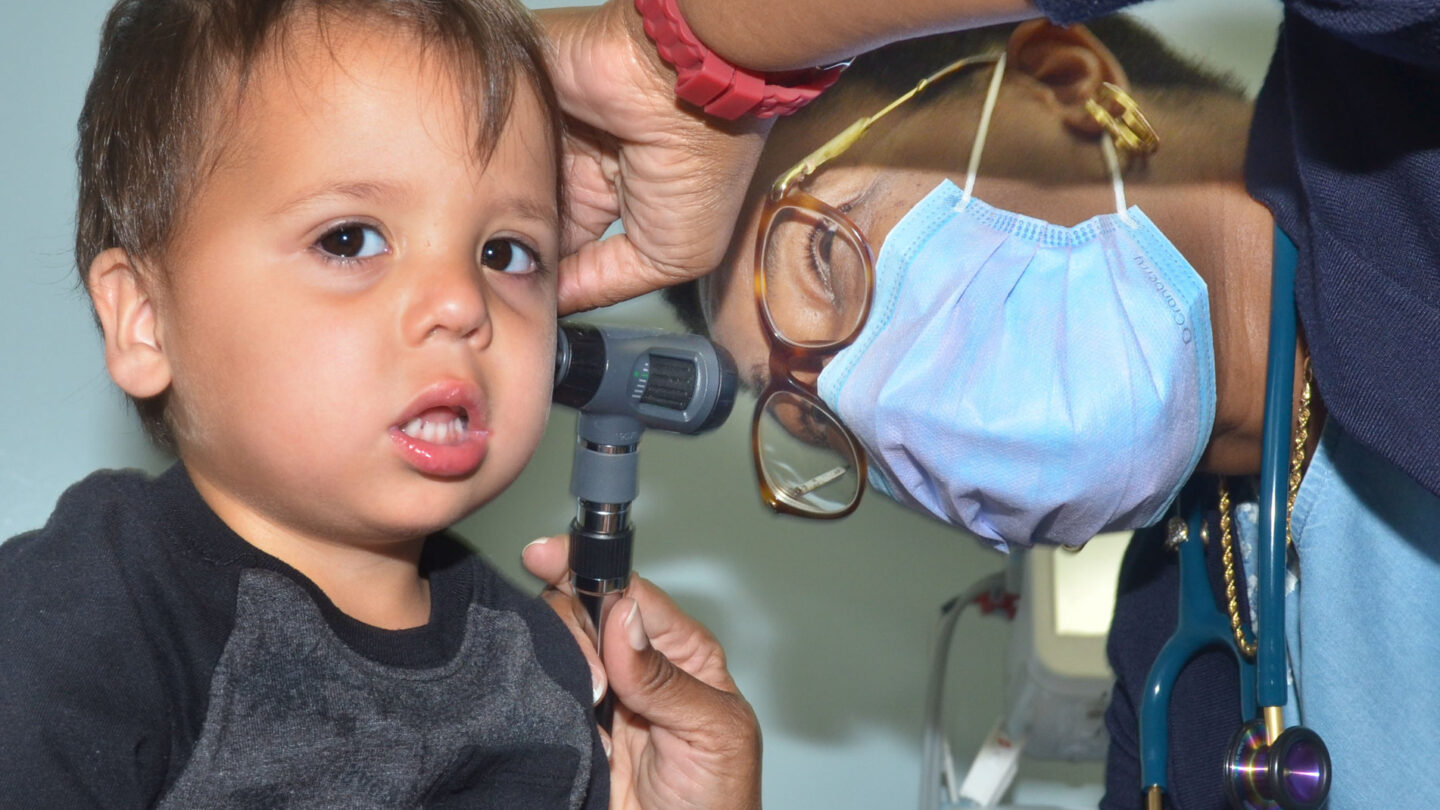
(805, 457)
(814, 278)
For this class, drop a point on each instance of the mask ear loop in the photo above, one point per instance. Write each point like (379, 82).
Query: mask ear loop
(1112, 162)
(983, 131)
(1130, 131)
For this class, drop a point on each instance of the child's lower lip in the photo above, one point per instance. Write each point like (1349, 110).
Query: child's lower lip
(445, 460)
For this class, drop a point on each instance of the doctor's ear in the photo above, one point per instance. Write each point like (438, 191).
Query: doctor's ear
(1070, 64)
(133, 351)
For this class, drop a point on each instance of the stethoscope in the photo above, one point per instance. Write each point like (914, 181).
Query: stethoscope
(1267, 765)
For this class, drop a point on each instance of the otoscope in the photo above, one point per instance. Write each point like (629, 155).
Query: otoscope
(623, 381)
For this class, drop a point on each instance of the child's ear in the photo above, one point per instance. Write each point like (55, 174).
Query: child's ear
(133, 353)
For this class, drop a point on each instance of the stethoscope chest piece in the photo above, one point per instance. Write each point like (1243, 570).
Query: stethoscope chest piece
(1291, 774)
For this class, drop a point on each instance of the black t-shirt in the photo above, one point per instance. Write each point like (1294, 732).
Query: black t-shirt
(150, 657)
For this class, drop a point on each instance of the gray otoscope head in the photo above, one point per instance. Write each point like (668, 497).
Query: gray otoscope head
(644, 377)
(623, 381)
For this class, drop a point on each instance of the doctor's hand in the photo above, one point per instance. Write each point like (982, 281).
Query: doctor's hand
(674, 177)
(683, 736)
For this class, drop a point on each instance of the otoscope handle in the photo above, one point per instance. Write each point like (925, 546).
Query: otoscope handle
(601, 539)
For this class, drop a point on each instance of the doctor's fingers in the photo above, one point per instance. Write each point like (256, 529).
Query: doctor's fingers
(675, 177)
(548, 560)
(677, 635)
(702, 743)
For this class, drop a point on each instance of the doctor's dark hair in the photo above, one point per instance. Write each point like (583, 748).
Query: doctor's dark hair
(172, 73)
(1149, 62)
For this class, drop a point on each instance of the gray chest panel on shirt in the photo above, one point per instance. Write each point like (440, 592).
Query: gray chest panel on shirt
(298, 719)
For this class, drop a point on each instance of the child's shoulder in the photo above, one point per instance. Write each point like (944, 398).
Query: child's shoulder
(82, 534)
(78, 662)
(104, 578)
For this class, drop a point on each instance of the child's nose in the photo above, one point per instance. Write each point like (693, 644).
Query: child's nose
(449, 302)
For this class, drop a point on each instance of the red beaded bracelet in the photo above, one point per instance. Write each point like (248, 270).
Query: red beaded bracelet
(723, 90)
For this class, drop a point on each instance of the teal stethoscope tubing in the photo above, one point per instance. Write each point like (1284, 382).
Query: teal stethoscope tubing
(1275, 477)
(1200, 624)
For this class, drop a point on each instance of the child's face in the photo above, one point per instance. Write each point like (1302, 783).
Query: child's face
(360, 316)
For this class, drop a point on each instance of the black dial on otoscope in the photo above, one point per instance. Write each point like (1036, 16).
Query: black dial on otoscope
(669, 382)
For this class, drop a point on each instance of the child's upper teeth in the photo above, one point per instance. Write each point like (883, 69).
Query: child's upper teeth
(448, 431)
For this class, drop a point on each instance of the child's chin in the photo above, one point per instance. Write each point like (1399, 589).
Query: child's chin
(421, 525)
(435, 518)
(422, 505)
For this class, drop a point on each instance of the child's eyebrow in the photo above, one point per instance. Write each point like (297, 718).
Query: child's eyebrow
(350, 189)
(544, 211)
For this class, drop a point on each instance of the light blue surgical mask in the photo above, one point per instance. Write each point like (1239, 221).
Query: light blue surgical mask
(1029, 382)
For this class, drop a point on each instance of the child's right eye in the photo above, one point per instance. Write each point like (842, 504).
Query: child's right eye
(353, 240)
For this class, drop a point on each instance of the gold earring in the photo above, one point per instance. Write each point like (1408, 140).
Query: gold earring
(1131, 132)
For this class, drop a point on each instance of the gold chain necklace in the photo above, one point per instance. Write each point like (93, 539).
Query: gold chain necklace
(1244, 641)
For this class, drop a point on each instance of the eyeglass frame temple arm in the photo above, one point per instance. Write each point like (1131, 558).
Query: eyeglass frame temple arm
(847, 137)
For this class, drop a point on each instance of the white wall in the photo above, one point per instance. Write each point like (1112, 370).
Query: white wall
(826, 623)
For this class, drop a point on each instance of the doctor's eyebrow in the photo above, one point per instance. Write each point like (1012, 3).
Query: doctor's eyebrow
(756, 377)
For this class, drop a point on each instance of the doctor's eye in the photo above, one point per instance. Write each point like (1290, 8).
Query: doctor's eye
(822, 247)
(509, 256)
(352, 240)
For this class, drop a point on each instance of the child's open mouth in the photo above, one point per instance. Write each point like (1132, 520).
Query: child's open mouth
(443, 432)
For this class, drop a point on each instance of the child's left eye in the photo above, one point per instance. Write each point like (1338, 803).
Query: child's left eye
(353, 240)
(508, 256)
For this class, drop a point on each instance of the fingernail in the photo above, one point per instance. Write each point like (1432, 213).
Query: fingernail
(539, 541)
(597, 688)
(636, 628)
(606, 744)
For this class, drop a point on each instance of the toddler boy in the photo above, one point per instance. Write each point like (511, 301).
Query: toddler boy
(320, 237)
